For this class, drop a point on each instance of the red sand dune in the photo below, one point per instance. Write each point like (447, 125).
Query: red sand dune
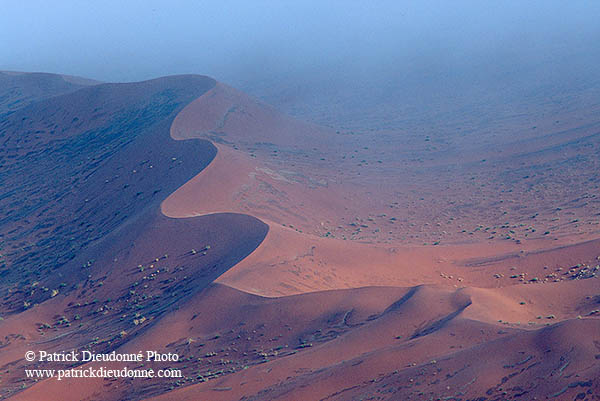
(289, 262)
(226, 115)
(391, 342)
(293, 262)
(100, 215)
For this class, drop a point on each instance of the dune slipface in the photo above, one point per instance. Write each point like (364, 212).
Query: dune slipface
(93, 184)
(284, 261)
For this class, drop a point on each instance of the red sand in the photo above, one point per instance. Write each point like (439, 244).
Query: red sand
(383, 275)
(289, 262)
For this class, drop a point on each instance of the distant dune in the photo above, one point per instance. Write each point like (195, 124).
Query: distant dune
(20, 89)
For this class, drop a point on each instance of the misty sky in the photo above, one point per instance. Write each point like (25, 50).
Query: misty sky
(132, 40)
(269, 47)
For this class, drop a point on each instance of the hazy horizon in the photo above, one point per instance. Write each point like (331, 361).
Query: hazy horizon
(322, 62)
(241, 41)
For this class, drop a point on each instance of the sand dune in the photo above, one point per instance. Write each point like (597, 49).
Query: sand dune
(293, 262)
(226, 115)
(282, 260)
(106, 177)
(350, 352)
(19, 89)
(556, 362)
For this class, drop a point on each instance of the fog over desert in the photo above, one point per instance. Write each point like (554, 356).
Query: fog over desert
(300, 200)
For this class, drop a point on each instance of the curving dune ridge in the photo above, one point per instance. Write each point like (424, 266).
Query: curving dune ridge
(271, 266)
(104, 259)
(289, 262)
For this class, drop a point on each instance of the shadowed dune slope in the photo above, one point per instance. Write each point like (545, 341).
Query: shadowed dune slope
(89, 261)
(77, 166)
(142, 272)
